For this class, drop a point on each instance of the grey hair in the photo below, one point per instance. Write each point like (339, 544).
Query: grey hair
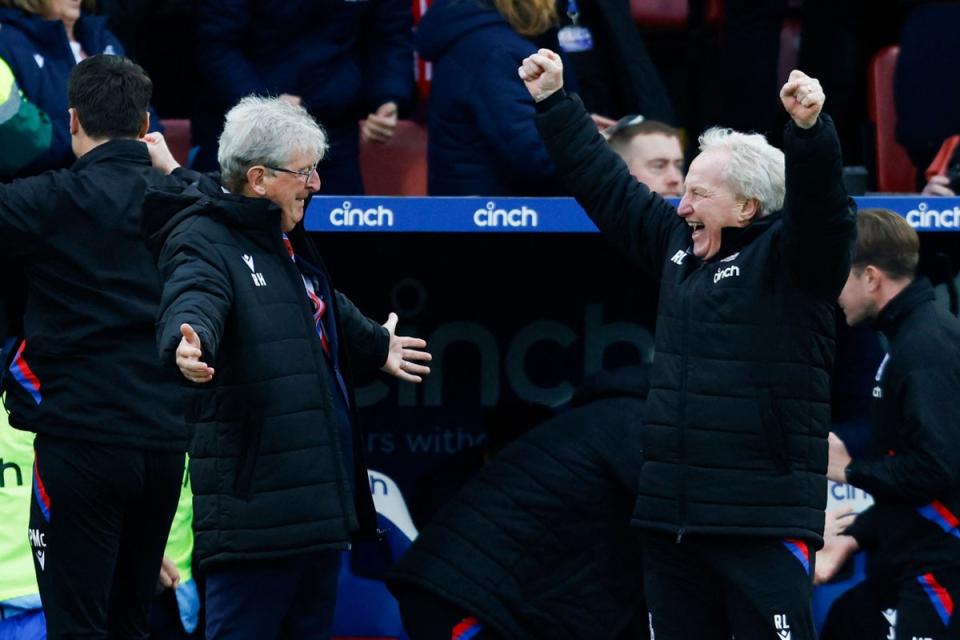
(755, 168)
(265, 131)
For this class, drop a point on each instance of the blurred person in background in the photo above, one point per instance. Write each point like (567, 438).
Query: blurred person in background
(652, 152)
(538, 544)
(482, 140)
(339, 61)
(42, 41)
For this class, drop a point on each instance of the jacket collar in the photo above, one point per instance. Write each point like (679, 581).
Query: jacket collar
(732, 239)
(120, 149)
(892, 316)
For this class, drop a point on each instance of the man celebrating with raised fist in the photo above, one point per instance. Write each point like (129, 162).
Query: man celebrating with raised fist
(732, 490)
(249, 313)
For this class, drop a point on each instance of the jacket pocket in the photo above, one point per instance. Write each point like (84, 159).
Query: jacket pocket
(774, 433)
(252, 428)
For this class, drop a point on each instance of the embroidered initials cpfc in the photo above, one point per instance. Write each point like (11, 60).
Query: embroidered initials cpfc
(678, 257)
(249, 261)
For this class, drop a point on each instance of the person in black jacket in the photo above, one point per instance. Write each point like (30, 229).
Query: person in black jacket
(250, 315)
(913, 529)
(538, 544)
(109, 419)
(732, 489)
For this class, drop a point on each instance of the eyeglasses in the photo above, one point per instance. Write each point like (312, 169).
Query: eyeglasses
(306, 174)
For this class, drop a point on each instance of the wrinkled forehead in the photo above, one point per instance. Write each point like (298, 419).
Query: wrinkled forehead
(709, 171)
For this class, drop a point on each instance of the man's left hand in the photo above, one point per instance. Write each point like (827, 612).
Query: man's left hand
(803, 98)
(404, 354)
(838, 459)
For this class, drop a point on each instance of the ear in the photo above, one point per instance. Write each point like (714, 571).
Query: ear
(748, 210)
(873, 278)
(255, 176)
(145, 125)
(75, 127)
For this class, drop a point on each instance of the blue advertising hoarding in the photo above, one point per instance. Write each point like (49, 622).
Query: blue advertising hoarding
(541, 215)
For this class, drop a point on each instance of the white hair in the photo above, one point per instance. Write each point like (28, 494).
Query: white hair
(265, 131)
(754, 169)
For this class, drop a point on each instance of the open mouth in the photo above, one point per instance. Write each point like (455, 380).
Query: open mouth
(695, 226)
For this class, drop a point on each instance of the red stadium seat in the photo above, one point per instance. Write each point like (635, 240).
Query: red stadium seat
(660, 13)
(177, 135)
(895, 171)
(399, 167)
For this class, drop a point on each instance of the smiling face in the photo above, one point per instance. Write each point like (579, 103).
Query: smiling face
(709, 204)
(289, 191)
(656, 160)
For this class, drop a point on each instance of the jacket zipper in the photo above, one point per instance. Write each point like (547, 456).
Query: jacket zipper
(682, 502)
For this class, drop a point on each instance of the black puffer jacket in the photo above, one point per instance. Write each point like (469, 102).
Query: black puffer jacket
(86, 368)
(739, 406)
(538, 545)
(267, 463)
(913, 527)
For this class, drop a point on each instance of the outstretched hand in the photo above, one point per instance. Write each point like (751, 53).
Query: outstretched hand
(542, 73)
(404, 354)
(189, 353)
(803, 98)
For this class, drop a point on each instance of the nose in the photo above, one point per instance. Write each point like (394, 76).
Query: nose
(674, 176)
(313, 182)
(684, 209)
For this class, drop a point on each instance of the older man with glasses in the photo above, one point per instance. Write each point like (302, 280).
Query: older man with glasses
(250, 316)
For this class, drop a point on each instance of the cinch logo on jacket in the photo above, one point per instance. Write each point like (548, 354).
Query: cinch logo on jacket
(730, 272)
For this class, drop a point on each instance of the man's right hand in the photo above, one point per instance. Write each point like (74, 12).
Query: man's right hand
(189, 353)
(834, 554)
(160, 156)
(542, 73)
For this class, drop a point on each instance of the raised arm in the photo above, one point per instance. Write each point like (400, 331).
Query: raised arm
(635, 220)
(820, 219)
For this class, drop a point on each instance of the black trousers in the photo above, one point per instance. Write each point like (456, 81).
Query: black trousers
(429, 617)
(99, 519)
(712, 587)
(921, 607)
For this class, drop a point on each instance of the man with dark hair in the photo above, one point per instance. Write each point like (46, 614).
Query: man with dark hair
(913, 529)
(109, 450)
(652, 152)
